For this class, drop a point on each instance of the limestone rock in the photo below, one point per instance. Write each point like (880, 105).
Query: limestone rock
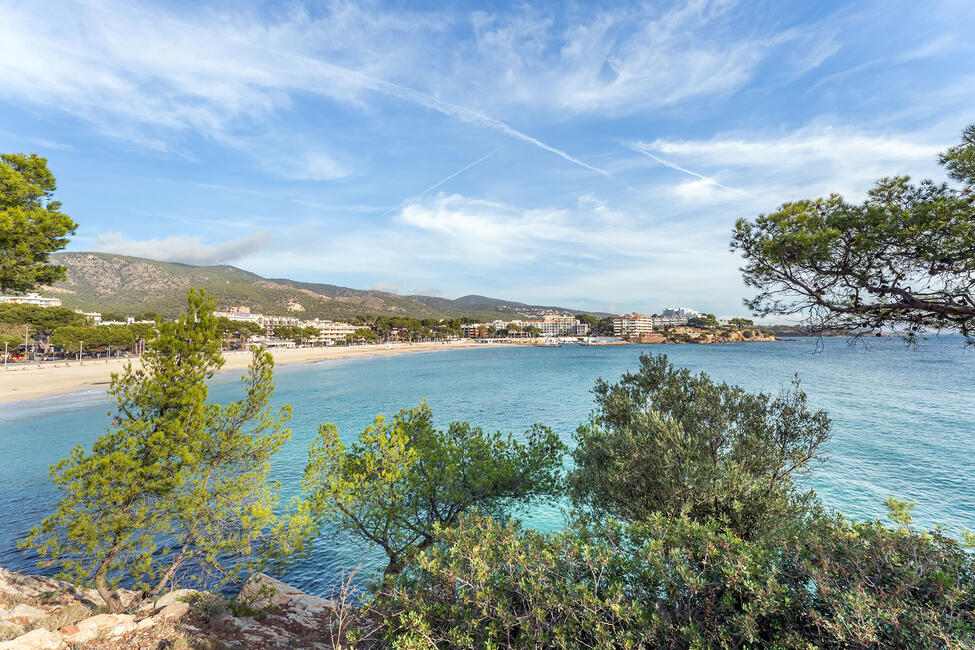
(28, 586)
(263, 591)
(288, 617)
(9, 630)
(290, 613)
(22, 611)
(174, 596)
(174, 611)
(39, 639)
(102, 626)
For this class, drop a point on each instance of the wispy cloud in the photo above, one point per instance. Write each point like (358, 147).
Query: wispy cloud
(472, 243)
(939, 45)
(475, 117)
(183, 248)
(386, 286)
(621, 59)
(309, 166)
(141, 66)
(771, 168)
(44, 143)
(455, 174)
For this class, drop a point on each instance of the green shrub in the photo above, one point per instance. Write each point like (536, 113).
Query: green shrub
(681, 584)
(665, 441)
(207, 606)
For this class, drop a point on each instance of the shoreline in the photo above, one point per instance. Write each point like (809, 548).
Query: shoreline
(32, 382)
(25, 383)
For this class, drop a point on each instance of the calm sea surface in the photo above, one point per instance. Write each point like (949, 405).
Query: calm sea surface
(903, 421)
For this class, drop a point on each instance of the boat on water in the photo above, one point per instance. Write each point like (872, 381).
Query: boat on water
(551, 343)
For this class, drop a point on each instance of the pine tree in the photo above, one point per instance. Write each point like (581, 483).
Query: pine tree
(178, 488)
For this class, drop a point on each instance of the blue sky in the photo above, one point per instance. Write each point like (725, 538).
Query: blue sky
(593, 155)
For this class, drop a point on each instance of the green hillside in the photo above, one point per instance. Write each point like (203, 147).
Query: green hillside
(130, 285)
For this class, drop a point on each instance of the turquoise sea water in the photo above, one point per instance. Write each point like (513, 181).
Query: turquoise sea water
(903, 421)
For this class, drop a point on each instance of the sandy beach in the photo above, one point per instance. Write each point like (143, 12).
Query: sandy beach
(31, 381)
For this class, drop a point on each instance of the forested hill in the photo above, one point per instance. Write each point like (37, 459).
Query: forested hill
(131, 285)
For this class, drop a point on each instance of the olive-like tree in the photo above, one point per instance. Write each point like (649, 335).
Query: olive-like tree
(403, 478)
(665, 441)
(32, 225)
(178, 481)
(904, 258)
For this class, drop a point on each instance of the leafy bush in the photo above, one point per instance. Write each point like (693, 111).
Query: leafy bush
(681, 584)
(207, 606)
(665, 441)
(690, 533)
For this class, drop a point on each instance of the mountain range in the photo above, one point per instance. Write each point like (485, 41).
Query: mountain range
(106, 282)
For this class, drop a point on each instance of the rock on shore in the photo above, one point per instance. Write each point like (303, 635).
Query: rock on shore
(38, 613)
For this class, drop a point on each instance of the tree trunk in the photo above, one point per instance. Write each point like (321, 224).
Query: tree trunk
(171, 571)
(109, 595)
(394, 568)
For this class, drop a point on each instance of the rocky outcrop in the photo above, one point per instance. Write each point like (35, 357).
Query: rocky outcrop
(287, 614)
(38, 613)
(696, 335)
(43, 613)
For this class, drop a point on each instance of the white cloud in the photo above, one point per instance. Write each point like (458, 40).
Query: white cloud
(129, 68)
(812, 161)
(799, 148)
(388, 287)
(311, 166)
(183, 248)
(469, 241)
(627, 59)
(125, 66)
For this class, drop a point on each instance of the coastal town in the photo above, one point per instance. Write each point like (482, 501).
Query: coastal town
(37, 328)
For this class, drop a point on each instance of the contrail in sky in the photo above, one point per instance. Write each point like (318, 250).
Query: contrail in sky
(455, 174)
(442, 181)
(667, 163)
(329, 73)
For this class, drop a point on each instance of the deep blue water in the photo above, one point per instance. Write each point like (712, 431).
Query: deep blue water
(903, 421)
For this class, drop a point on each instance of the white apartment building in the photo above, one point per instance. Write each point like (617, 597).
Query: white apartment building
(681, 312)
(95, 317)
(633, 325)
(561, 325)
(669, 321)
(244, 315)
(31, 299)
(637, 324)
(330, 331)
(270, 322)
(550, 325)
(241, 315)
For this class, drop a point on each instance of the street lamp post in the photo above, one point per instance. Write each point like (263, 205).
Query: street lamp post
(81, 353)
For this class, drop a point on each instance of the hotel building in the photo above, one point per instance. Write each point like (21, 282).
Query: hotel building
(31, 299)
